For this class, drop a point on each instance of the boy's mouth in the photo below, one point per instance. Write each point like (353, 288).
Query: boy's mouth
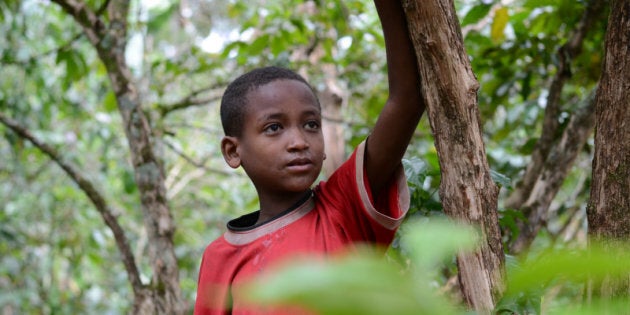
(300, 164)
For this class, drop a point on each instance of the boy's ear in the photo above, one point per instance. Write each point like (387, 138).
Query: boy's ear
(229, 147)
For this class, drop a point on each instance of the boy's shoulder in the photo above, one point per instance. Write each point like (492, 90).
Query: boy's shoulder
(217, 246)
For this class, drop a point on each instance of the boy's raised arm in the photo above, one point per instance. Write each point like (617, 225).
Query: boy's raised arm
(393, 130)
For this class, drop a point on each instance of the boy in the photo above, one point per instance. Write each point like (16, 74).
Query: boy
(271, 119)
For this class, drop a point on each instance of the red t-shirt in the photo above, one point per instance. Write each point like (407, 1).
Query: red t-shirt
(340, 213)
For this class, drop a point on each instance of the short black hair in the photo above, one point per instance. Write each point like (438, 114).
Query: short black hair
(234, 98)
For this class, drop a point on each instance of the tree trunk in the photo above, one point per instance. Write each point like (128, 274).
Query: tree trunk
(555, 152)
(552, 174)
(332, 127)
(609, 207)
(550, 125)
(467, 191)
(163, 294)
(91, 191)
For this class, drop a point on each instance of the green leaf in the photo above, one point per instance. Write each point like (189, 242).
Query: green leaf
(344, 287)
(341, 287)
(364, 283)
(433, 241)
(258, 45)
(157, 22)
(236, 9)
(517, 20)
(528, 147)
(415, 170)
(596, 307)
(476, 13)
(129, 181)
(7, 7)
(542, 23)
(501, 18)
(539, 3)
(508, 219)
(594, 264)
(500, 179)
(109, 103)
(236, 45)
(76, 67)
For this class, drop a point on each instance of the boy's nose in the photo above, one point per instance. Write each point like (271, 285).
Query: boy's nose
(298, 141)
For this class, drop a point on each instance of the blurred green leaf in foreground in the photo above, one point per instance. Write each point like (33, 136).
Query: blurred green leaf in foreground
(367, 283)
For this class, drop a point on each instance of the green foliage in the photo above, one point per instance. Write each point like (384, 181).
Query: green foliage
(423, 179)
(160, 18)
(557, 281)
(595, 264)
(366, 283)
(475, 14)
(499, 22)
(342, 287)
(76, 66)
(56, 256)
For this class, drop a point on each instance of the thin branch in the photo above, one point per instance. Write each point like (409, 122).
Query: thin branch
(574, 216)
(211, 131)
(186, 103)
(190, 100)
(183, 182)
(549, 133)
(92, 193)
(164, 295)
(118, 16)
(484, 22)
(93, 26)
(553, 172)
(51, 51)
(193, 162)
(65, 46)
(103, 7)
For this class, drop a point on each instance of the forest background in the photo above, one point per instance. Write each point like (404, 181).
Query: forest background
(109, 114)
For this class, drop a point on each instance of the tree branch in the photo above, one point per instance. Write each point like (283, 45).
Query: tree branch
(549, 133)
(483, 22)
(103, 7)
(118, 11)
(92, 193)
(212, 131)
(467, 192)
(92, 25)
(193, 162)
(164, 295)
(552, 174)
(31, 59)
(192, 99)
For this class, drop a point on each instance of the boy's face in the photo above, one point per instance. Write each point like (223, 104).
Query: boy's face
(281, 147)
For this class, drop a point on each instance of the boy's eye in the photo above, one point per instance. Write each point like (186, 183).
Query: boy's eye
(271, 128)
(312, 125)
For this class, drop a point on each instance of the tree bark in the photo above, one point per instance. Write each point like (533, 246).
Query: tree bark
(552, 174)
(89, 188)
(609, 207)
(163, 294)
(467, 191)
(550, 133)
(556, 150)
(332, 127)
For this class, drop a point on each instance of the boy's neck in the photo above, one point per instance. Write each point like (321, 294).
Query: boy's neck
(271, 207)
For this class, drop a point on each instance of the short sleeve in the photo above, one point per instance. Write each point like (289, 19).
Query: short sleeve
(361, 216)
